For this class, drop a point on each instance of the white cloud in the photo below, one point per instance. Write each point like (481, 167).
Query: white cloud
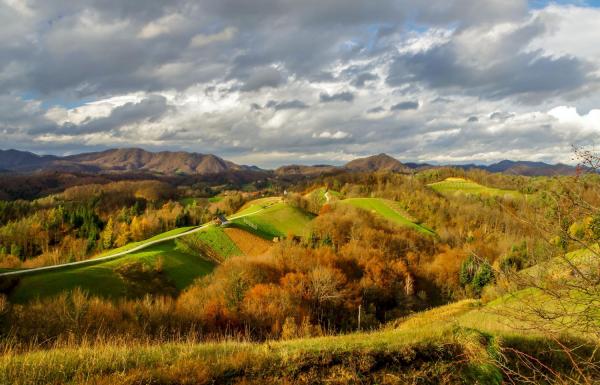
(162, 26)
(568, 117)
(329, 135)
(201, 40)
(570, 30)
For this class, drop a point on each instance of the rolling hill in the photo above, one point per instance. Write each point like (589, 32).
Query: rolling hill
(464, 186)
(165, 263)
(164, 267)
(274, 221)
(389, 210)
(381, 162)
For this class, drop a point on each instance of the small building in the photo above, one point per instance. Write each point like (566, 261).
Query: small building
(221, 220)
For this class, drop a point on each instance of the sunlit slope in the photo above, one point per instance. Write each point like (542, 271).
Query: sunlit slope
(389, 210)
(270, 220)
(164, 261)
(451, 186)
(173, 262)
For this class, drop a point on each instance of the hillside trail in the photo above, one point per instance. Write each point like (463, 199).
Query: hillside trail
(94, 261)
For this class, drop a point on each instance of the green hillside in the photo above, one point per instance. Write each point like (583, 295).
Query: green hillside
(389, 210)
(257, 205)
(270, 219)
(321, 193)
(179, 269)
(460, 185)
(216, 239)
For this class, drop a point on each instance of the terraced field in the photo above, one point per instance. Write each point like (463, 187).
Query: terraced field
(248, 243)
(216, 239)
(451, 186)
(388, 209)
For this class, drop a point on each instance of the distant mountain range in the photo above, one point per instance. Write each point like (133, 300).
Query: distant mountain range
(186, 163)
(121, 160)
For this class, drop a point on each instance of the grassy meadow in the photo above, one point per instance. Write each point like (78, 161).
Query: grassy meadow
(388, 210)
(102, 279)
(270, 220)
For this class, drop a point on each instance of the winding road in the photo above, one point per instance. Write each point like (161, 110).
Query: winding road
(94, 261)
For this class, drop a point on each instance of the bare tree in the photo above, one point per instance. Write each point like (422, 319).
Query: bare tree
(563, 305)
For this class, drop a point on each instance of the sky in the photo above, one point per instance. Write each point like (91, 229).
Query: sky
(271, 82)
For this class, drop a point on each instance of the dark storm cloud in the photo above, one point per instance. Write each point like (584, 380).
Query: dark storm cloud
(403, 106)
(472, 119)
(345, 96)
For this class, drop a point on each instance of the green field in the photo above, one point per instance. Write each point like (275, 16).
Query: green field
(389, 210)
(216, 239)
(256, 205)
(101, 279)
(132, 245)
(451, 186)
(268, 219)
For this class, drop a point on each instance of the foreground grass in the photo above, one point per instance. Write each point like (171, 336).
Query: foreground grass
(388, 210)
(416, 351)
(432, 347)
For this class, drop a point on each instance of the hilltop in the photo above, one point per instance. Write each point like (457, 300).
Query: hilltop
(376, 163)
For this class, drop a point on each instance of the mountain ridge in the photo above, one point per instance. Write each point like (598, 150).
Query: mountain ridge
(121, 160)
(192, 163)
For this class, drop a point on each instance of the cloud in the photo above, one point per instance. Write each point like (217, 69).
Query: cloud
(363, 78)
(501, 115)
(210, 76)
(329, 135)
(263, 77)
(200, 40)
(286, 105)
(493, 64)
(148, 109)
(404, 106)
(375, 110)
(345, 96)
(161, 26)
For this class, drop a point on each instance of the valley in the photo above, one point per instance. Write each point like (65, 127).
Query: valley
(370, 274)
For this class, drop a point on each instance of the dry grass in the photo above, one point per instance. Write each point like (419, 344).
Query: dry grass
(447, 345)
(250, 244)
